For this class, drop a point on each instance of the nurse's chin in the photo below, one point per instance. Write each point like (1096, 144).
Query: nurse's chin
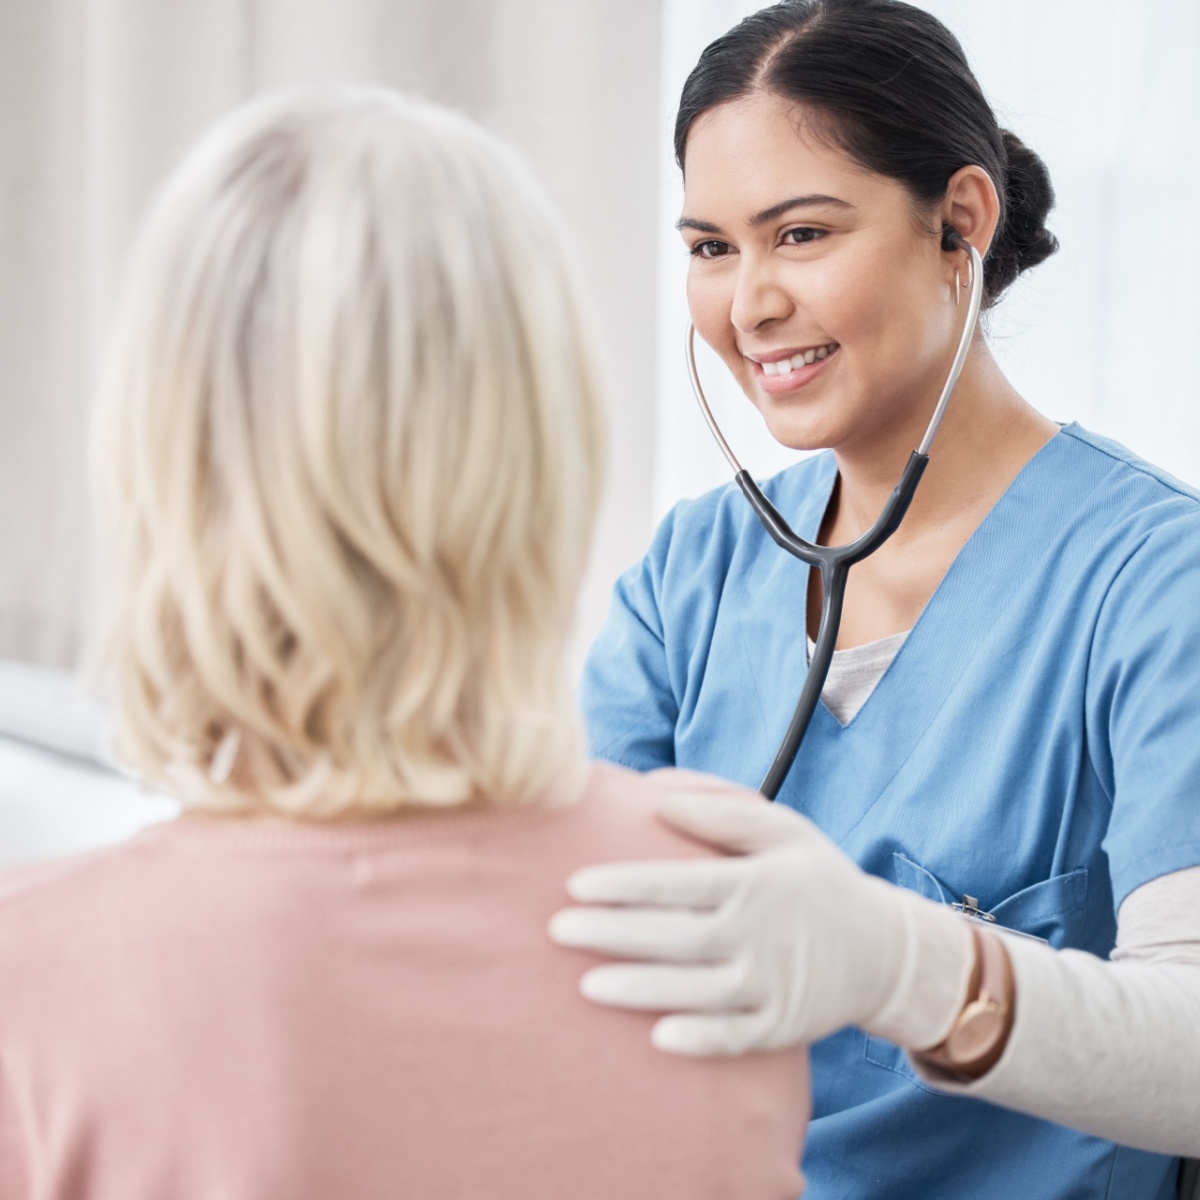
(799, 431)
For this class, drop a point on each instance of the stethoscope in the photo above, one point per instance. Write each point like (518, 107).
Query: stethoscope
(835, 561)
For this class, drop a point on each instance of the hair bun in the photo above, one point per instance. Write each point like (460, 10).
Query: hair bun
(1023, 241)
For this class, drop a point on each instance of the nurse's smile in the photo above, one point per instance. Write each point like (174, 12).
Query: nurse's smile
(792, 369)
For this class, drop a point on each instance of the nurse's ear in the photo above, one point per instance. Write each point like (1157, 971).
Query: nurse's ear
(971, 206)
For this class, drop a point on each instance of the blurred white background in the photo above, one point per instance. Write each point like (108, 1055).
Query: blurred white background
(99, 98)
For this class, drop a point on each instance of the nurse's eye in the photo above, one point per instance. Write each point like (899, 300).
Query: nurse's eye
(710, 249)
(802, 235)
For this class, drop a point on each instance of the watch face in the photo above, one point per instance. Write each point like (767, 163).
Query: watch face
(979, 1029)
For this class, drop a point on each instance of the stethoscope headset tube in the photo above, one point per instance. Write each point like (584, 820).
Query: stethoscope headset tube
(834, 562)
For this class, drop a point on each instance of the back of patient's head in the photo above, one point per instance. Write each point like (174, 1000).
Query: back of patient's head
(350, 442)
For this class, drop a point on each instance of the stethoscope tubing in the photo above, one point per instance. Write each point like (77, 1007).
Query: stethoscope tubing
(834, 562)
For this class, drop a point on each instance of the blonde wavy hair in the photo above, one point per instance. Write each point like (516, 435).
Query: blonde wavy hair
(350, 438)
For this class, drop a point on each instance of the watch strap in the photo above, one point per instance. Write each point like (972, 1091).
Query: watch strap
(980, 1031)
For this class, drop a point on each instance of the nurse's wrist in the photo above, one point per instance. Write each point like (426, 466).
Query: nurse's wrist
(980, 1032)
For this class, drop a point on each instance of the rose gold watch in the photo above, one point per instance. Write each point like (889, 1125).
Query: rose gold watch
(980, 1031)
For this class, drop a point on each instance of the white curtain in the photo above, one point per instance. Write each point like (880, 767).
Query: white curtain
(98, 98)
(1104, 332)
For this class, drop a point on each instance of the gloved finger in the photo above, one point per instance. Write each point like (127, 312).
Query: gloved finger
(668, 934)
(734, 822)
(712, 1035)
(686, 883)
(718, 987)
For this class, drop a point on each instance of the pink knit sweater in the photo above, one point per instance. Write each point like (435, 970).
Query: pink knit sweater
(227, 1010)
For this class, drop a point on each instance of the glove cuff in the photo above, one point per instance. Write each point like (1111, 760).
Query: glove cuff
(934, 973)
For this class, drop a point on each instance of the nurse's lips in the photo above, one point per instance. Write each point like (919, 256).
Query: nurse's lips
(786, 370)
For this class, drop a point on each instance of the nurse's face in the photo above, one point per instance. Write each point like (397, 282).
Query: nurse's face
(817, 281)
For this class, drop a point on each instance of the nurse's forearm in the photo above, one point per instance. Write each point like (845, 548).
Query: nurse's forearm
(1111, 1049)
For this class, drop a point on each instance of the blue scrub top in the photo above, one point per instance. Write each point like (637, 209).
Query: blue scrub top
(1034, 744)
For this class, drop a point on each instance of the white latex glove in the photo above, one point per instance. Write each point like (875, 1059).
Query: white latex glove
(783, 944)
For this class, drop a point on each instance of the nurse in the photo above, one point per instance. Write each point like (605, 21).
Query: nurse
(1012, 724)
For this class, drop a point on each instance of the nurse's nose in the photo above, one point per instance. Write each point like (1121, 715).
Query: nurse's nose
(758, 296)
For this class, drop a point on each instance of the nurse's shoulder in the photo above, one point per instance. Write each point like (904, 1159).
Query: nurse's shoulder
(660, 628)
(700, 540)
(1136, 532)
(1128, 492)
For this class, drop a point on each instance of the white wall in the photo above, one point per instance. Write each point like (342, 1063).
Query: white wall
(51, 805)
(1108, 94)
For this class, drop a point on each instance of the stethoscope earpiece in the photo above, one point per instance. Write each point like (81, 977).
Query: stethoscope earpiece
(952, 239)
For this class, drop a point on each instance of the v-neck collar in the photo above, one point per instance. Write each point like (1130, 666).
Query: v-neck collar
(934, 653)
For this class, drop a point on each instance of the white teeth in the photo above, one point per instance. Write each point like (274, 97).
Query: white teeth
(786, 365)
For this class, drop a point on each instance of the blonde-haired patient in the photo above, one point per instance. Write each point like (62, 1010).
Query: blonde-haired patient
(350, 443)
(353, 436)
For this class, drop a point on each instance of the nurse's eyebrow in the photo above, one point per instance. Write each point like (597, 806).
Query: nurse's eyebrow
(768, 214)
(777, 210)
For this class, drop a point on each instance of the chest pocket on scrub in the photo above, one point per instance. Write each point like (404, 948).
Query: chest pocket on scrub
(1043, 910)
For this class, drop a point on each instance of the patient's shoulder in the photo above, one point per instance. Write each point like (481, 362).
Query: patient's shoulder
(44, 881)
(619, 806)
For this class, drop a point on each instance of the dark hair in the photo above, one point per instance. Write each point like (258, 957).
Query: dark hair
(888, 84)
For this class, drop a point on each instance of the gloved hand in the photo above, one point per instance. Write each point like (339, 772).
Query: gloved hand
(782, 944)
